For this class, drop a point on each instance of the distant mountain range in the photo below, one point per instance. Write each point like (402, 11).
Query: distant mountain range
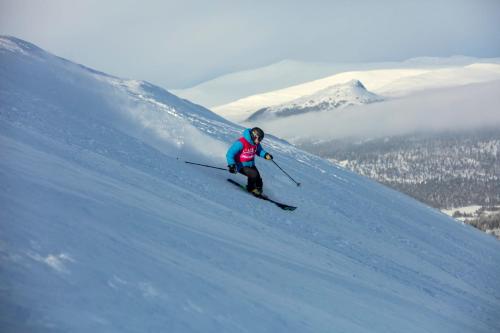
(283, 74)
(392, 83)
(334, 97)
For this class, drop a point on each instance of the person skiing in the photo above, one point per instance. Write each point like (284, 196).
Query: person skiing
(240, 158)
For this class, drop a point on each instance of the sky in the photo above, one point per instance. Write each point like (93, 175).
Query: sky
(178, 44)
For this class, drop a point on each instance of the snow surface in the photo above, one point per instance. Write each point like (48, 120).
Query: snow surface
(104, 229)
(463, 210)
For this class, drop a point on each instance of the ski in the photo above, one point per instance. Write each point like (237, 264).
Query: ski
(263, 197)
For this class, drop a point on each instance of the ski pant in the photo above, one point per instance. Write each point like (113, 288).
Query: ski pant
(254, 180)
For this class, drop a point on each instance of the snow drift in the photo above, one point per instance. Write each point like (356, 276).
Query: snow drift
(103, 228)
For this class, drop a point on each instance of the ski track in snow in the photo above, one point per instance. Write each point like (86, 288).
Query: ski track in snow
(105, 228)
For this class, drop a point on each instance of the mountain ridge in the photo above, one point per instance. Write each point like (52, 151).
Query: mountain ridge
(231, 87)
(337, 96)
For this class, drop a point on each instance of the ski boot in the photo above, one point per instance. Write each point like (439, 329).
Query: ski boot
(257, 192)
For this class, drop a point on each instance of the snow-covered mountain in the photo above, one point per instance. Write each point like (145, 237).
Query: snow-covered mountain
(334, 97)
(442, 78)
(393, 83)
(233, 86)
(287, 73)
(105, 229)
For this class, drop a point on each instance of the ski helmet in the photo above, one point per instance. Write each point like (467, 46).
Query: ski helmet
(256, 133)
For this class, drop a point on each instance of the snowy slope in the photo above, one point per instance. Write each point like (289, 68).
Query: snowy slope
(395, 82)
(103, 229)
(338, 96)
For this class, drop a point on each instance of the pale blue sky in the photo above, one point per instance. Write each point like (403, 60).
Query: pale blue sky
(179, 43)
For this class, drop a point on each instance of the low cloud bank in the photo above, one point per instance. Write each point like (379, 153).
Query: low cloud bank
(465, 107)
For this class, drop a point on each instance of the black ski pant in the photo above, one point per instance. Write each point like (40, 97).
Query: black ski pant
(254, 180)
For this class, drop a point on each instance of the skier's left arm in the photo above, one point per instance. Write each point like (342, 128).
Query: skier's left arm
(264, 154)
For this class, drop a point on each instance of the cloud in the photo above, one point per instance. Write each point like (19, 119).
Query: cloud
(465, 107)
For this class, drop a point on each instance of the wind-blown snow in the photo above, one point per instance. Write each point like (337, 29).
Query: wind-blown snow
(103, 229)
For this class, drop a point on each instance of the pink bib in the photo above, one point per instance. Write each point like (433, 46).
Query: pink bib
(248, 152)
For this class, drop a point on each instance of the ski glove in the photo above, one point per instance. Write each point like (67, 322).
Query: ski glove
(232, 168)
(268, 156)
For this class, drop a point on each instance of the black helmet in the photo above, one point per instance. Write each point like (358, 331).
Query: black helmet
(257, 132)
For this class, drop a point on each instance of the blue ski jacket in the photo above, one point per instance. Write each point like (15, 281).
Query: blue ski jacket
(237, 147)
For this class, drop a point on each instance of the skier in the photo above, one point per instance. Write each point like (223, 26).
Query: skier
(240, 158)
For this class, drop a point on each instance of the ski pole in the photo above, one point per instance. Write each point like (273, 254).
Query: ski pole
(298, 184)
(206, 166)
